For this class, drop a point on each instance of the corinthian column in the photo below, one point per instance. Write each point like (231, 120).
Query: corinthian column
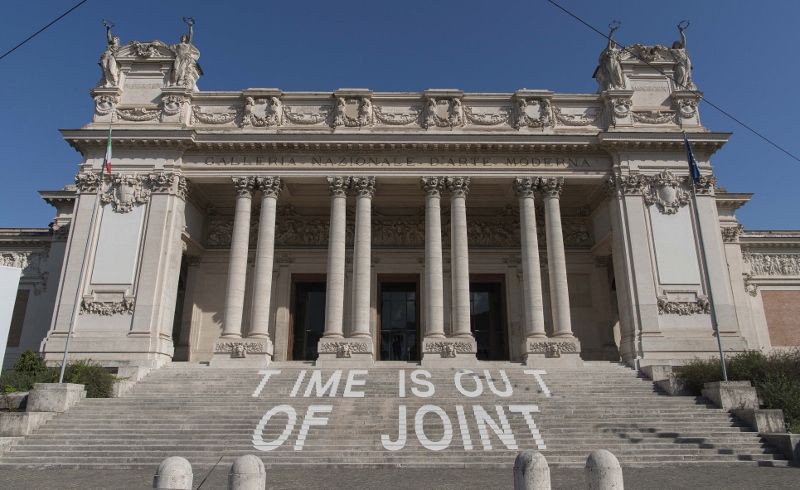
(265, 250)
(459, 256)
(434, 288)
(531, 275)
(556, 259)
(237, 268)
(334, 301)
(365, 189)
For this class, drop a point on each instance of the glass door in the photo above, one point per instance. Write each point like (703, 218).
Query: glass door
(399, 321)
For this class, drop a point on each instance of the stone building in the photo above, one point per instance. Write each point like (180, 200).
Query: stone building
(238, 228)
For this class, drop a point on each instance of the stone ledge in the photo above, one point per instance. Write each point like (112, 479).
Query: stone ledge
(18, 424)
(7, 442)
(731, 395)
(444, 352)
(14, 401)
(54, 397)
(673, 386)
(788, 444)
(762, 420)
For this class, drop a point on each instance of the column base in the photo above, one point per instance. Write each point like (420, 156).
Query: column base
(454, 352)
(350, 352)
(552, 352)
(235, 352)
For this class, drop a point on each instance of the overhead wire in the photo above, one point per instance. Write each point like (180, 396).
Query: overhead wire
(698, 94)
(42, 29)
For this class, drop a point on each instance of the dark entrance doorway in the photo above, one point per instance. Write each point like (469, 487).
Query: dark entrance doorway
(487, 320)
(308, 318)
(399, 319)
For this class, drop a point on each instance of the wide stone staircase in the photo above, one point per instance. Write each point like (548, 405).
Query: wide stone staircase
(293, 413)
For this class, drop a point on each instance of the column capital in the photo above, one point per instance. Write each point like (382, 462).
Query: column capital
(525, 186)
(432, 186)
(363, 186)
(337, 186)
(269, 186)
(551, 186)
(458, 186)
(245, 186)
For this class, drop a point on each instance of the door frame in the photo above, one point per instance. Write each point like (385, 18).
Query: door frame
(299, 278)
(407, 278)
(505, 334)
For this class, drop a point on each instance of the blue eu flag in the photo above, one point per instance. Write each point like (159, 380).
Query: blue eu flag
(694, 172)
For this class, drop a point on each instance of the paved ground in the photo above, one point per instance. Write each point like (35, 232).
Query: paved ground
(663, 478)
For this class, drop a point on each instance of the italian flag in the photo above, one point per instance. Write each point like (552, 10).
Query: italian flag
(107, 157)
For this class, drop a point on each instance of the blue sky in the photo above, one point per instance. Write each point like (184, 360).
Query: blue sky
(744, 53)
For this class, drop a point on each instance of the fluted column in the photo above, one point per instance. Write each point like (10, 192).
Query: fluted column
(362, 266)
(265, 250)
(531, 274)
(334, 294)
(237, 268)
(459, 255)
(556, 258)
(434, 287)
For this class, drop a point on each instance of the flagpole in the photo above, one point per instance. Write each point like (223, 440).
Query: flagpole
(705, 262)
(89, 239)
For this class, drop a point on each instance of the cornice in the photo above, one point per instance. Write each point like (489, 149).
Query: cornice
(755, 239)
(732, 201)
(662, 141)
(92, 139)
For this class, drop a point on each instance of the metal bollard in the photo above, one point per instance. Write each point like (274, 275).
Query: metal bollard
(531, 471)
(603, 471)
(173, 473)
(247, 473)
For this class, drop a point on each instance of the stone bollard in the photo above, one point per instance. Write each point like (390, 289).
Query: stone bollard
(531, 471)
(603, 471)
(173, 473)
(247, 473)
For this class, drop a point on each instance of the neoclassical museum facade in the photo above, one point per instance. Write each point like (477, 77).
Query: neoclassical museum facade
(246, 227)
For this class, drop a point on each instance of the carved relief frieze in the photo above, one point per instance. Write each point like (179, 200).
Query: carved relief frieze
(773, 264)
(344, 349)
(707, 185)
(653, 117)
(730, 234)
(198, 114)
(684, 308)
(138, 114)
(586, 118)
(552, 349)
(306, 117)
(126, 191)
(629, 184)
(487, 119)
(533, 113)
(646, 53)
(219, 233)
(576, 234)
(353, 112)
(391, 118)
(107, 308)
(87, 182)
(444, 113)
(448, 348)
(145, 50)
(667, 192)
(239, 349)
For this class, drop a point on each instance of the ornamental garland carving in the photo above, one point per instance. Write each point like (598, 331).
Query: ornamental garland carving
(730, 234)
(448, 348)
(107, 308)
(397, 119)
(552, 349)
(646, 53)
(352, 112)
(105, 104)
(653, 117)
(684, 308)
(240, 348)
(87, 182)
(171, 104)
(307, 117)
(138, 114)
(630, 184)
(750, 287)
(687, 108)
(666, 192)
(487, 119)
(215, 118)
(125, 192)
(534, 113)
(773, 264)
(145, 50)
(444, 113)
(577, 119)
(343, 349)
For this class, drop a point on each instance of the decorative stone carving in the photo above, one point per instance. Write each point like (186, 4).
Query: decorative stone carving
(353, 112)
(653, 117)
(687, 108)
(609, 74)
(337, 186)
(583, 119)
(481, 119)
(185, 70)
(215, 118)
(61, 232)
(448, 348)
(363, 186)
(105, 104)
(31, 264)
(344, 349)
(552, 349)
(275, 112)
(602, 262)
(171, 104)
(576, 234)
(706, 186)
(773, 264)
(750, 287)
(433, 186)
(525, 186)
(397, 119)
(108, 308)
(730, 234)
(162, 182)
(145, 50)
(444, 113)
(666, 192)
(137, 114)
(239, 349)
(87, 182)
(108, 60)
(683, 64)
(219, 233)
(534, 113)
(126, 191)
(458, 186)
(493, 233)
(244, 186)
(513, 261)
(306, 117)
(269, 186)
(684, 308)
(284, 259)
(621, 107)
(629, 184)
(291, 232)
(551, 186)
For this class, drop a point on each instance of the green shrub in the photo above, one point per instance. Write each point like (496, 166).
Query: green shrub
(98, 380)
(31, 363)
(776, 378)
